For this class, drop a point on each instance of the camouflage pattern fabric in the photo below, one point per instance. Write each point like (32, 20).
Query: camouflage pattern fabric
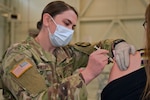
(30, 73)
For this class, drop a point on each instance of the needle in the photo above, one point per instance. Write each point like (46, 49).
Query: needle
(109, 58)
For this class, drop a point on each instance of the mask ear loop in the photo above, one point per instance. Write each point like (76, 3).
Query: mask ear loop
(54, 23)
(49, 32)
(53, 20)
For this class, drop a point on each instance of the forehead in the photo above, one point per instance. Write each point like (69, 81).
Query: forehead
(68, 15)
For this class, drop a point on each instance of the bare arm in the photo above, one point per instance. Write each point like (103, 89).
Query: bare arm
(135, 64)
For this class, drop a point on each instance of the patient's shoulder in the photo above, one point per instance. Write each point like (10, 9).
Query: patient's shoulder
(135, 64)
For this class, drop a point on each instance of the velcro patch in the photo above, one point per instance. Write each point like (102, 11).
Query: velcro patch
(83, 44)
(20, 68)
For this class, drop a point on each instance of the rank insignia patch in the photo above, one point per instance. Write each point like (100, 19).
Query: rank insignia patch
(21, 68)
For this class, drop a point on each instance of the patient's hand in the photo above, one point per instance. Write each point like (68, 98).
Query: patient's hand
(135, 64)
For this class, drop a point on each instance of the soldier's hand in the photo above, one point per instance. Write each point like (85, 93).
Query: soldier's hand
(121, 54)
(97, 61)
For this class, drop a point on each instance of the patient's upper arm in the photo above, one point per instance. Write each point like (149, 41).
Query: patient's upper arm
(135, 64)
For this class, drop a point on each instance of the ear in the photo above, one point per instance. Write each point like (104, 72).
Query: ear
(46, 19)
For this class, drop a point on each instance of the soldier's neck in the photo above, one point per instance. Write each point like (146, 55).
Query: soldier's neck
(45, 45)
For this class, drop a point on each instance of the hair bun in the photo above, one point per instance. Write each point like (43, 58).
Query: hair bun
(39, 25)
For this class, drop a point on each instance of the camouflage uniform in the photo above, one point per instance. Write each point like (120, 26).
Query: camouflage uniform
(30, 73)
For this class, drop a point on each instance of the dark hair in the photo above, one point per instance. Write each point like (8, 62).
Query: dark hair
(146, 94)
(54, 8)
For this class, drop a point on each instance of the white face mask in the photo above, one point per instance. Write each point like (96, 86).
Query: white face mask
(62, 35)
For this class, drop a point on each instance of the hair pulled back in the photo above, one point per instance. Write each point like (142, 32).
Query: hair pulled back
(54, 8)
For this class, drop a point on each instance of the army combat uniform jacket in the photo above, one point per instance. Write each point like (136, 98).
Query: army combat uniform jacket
(30, 73)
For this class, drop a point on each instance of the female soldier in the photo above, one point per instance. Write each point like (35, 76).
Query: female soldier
(43, 68)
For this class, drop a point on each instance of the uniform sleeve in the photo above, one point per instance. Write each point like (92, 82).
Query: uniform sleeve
(84, 49)
(21, 78)
(22, 81)
(107, 44)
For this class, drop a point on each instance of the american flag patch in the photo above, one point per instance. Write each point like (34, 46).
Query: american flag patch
(21, 68)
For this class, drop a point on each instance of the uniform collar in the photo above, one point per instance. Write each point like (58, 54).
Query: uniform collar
(46, 56)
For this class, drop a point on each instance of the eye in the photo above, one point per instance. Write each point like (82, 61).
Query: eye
(67, 23)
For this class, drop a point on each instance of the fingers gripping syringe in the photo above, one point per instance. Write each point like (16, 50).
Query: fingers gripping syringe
(109, 58)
